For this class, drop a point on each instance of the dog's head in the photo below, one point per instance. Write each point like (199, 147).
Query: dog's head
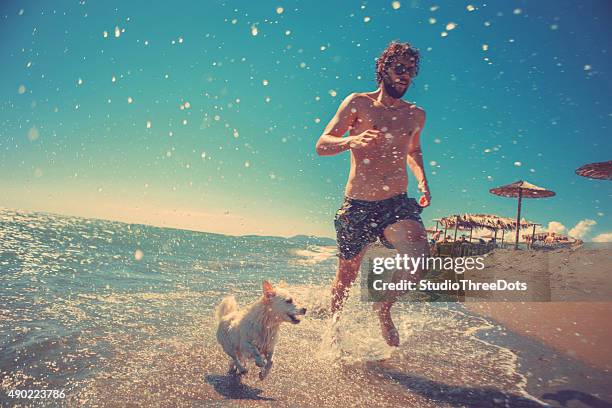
(281, 305)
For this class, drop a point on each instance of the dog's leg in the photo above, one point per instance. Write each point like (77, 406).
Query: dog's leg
(266, 369)
(241, 369)
(232, 368)
(259, 361)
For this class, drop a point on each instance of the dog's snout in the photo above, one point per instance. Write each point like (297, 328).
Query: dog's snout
(303, 310)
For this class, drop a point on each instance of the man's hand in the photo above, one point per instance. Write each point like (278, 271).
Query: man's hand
(425, 199)
(366, 139)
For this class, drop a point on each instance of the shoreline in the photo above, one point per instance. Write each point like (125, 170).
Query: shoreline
(552, 376)
(578, 330)
(567, 307)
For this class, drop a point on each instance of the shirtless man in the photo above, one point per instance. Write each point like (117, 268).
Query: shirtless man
(383, 137)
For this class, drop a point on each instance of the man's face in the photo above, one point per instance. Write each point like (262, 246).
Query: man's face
(398, 77)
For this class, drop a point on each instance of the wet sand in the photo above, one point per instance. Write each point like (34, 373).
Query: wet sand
(553, 376)
(580, 330)
(448, 358)
(440, 367)
(568, 304)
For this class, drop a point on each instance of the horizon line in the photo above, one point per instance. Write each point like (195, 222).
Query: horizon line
(2, 208)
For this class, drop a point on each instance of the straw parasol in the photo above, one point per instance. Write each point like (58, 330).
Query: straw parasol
(491, 222)
(602, 170)
(521, 189)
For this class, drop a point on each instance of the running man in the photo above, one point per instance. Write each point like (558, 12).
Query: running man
(383, 139)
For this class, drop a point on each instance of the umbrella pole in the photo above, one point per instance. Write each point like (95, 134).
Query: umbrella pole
(471, 229)
(437, 226)
(503, 233)
(518, 218)
(532, 236)
(495, 237)
(456, 226)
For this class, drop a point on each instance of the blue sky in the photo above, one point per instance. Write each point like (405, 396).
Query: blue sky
(180, 116)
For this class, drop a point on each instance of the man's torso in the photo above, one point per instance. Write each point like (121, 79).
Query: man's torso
(380, 172)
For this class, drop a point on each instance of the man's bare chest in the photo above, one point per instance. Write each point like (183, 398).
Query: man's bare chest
(396, 125)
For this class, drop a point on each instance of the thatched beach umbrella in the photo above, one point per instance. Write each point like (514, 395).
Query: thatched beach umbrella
(478, 221)
(602, 170)
(454, 221)
(521, 189)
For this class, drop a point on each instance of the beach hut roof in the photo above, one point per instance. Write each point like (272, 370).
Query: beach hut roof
(488, 221)
(601, 170)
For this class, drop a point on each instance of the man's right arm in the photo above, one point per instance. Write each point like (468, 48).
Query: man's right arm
(332, 142)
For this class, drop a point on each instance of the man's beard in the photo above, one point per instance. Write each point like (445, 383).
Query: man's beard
(391, 89)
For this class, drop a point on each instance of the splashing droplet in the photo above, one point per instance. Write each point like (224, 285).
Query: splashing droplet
(138, 254)
(33, 134)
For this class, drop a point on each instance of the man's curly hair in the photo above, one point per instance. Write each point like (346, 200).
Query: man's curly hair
(394, 51)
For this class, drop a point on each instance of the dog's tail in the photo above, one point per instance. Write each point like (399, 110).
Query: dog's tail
(226, 306)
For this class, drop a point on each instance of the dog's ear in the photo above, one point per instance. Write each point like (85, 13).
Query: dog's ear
(268, 290)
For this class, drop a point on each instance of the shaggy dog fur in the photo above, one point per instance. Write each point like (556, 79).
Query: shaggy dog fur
(251, 333)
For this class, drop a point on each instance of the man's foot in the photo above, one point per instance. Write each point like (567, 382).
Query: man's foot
(387, 328)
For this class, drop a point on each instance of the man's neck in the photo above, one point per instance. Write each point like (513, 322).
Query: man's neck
(385, 99)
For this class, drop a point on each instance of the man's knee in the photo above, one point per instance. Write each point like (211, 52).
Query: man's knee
(406, 231)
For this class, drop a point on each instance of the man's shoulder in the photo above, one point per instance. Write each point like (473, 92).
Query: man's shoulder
(414, 107)
(415, 110)
(357, 100)
(359, 97)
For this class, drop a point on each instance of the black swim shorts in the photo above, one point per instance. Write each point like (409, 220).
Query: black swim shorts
(360, 222)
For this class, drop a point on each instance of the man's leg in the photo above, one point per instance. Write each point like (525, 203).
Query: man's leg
(345, 276)
(409, 238)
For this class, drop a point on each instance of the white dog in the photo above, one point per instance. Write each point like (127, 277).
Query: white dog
(252, 332)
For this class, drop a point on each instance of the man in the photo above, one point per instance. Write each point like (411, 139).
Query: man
(383, 137)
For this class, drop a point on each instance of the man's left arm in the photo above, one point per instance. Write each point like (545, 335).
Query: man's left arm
(415, 160)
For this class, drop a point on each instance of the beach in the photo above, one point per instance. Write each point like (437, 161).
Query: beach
(573, 315)
(579, 330)
(86, 313)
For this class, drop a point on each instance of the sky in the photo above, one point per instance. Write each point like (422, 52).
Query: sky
(204, 115)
